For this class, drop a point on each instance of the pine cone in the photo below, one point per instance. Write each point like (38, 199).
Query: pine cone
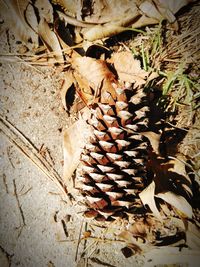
(114, 162)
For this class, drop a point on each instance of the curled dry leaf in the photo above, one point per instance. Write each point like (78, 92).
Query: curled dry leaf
(73, 143)
(109, 11)
(147, 198)
(73, 21)
(93, 77)
(66, 85)
(109, 29)
(179, 202)
(13, 15)
(154, 140)
(45, 10)
(128, 68)
(50, 40)
(179, 166)
(139, 228)
(71, 7)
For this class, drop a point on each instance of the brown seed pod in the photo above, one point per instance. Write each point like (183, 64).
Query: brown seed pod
(113, 163)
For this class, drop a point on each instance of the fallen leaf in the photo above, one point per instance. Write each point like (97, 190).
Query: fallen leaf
(71, 7)
(111, 11)
(50, 40)
(179, 166)
(150, 10)
(66, 85)
(13, 14)
(179, 202)
(128, 68)
(154, 140)
(147, 198)
(139, 228)
(45, 10)
(74, 139)
(93, 78)
(127, 236)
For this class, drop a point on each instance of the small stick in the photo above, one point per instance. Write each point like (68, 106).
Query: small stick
(79, 240)
(65, 228)
(19, 206)
(5, 183)
(9, 157)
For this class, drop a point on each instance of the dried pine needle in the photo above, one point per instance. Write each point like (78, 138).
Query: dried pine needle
(31, 152)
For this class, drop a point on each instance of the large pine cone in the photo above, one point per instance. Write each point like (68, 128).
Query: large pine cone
(114, 162)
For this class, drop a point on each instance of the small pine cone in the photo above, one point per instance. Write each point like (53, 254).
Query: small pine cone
(113, 163)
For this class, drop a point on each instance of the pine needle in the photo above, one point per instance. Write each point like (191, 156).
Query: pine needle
(31, 152)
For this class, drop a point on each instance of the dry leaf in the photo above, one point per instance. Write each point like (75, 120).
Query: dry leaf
(74, 141)
(73, 21)
(13, 14)
(50, 40)
(45, 10)
(138, 228)
(147, 198)
(179, 166)
(102, 31)
(71, 7)
(93, 77)
(31, 19)
(149, 9)
(66, 85)
(109, 29)
(154, 140)
(128, 68)
(111, 11)
(128, 237)
(179, 202)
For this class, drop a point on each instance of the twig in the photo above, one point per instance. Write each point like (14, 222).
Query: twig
(79, 240)
(31, 152)
(65, 228)
(174, 126)
(22, 194)
(9, 157)
(9, 256)
(5, 183)
(20, 208)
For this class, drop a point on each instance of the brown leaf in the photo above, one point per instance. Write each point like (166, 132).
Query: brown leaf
(74, 141)
(154, 140)
(128, 68)
(50, 40)
(45, 10)
(13, 15)
(147, 198)
(93, 78)
(127, 236)
(161, 9)
(111, 11)
(179, 202)
(73, 7)
(66, 85)
(138, 228)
